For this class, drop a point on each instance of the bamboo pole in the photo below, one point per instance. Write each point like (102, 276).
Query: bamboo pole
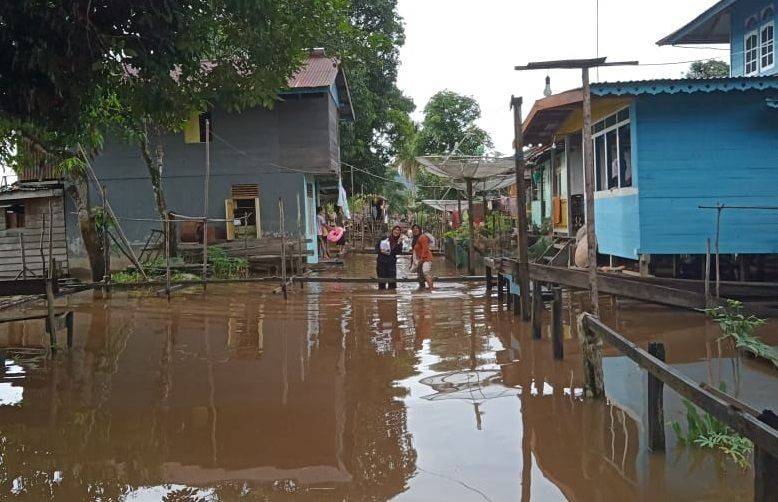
(205, 195)
(24, 258)
(120, 231)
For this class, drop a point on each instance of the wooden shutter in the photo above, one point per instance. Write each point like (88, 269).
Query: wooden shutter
(229, 215)
(245, 191)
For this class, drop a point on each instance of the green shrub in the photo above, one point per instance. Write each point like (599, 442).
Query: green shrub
(704, 431)
(225, 267)
(740, 329)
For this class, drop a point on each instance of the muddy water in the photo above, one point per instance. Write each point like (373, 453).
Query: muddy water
(347, 393)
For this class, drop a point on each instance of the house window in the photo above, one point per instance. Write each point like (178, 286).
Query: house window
(613, 151)
(14, 216)
(750, 55)
(767, 46)
(194, 130)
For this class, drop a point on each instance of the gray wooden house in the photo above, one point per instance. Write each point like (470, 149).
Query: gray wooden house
(256, 156)
(28, 208)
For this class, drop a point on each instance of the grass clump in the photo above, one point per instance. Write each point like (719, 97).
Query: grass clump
(739, 328)
(224, 266)
(704, 431)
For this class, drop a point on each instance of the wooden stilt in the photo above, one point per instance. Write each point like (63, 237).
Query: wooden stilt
(516, 304)
(656, 414)
(51, 321)
(707, 273)
(557, 334)
(69, 327)
(488, 281)
(205, 197)
(591, 352)
(537, 310)
(500, 286)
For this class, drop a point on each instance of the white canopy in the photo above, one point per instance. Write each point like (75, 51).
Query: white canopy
(445, 205)
(462, 167)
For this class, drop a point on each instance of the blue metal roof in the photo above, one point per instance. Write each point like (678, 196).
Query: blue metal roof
(685, 85)
(710, 27)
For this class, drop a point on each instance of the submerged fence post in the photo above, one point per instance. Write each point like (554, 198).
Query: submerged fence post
(765, 465)
(556, 324)
(489, 280)
(591, 351)
(656, 413)
(500, 285)
(537, 309)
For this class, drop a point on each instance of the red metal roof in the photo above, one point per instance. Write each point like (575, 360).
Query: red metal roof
(318, 71)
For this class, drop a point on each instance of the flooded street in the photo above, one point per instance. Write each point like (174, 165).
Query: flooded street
(347, 393)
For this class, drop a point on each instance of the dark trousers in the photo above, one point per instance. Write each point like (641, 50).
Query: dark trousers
(386, 269)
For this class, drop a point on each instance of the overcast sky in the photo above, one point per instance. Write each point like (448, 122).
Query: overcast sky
(471, 47)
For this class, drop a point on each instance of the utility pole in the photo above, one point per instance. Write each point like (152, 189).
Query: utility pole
(522, 270)
(588, 154)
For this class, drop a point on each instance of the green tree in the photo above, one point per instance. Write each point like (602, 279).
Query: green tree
(369, 47)
(712, 68)
(449, 125)
(70, 70)
(448, 128)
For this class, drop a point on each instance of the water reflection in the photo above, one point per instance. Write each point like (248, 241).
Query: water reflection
(345, 392)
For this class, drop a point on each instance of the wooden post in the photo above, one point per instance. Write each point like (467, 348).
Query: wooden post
(488, 281)
(24, 258)
(500, 286)
(283, 246)
(167, 258)
(588, 156)
(205, 197)
(51, 321)
(591, 352)
(718, 264)
(765, 465)
(522, 268)
(557, 335)
(656, 414)
(537, 310)
(470, 228)
(516, 304)
(69, 327)
(644, 265)
(707, 273)
(106, 246)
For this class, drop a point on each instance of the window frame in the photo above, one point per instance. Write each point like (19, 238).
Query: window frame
(762, 44)
(753, 33)
(604, 133)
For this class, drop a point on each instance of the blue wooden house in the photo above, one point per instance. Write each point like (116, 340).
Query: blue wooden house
(663, 148)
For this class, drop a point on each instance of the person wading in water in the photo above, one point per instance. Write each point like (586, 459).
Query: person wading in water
(386, 262)
(422, 254)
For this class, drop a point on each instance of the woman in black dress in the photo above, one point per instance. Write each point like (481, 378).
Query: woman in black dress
(386, 262)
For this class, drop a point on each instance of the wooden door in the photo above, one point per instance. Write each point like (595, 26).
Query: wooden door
(257, 218)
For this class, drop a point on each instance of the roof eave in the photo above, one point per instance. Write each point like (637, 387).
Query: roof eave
(686, 34)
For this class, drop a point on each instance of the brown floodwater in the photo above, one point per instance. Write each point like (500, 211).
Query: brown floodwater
(347, 393)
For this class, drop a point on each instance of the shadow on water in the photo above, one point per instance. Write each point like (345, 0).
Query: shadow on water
(347, 393)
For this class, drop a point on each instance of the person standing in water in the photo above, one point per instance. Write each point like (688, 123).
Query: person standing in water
(386, 262)
(322, 230)
(422, 254)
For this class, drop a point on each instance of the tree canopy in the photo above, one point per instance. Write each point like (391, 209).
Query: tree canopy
(712, 68)
(369, 48)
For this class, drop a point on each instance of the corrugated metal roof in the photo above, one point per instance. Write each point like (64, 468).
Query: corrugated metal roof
(710, 27)
(318, 71)
(684, 85)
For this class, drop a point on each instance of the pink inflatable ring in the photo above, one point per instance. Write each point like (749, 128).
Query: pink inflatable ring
(336, 234)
